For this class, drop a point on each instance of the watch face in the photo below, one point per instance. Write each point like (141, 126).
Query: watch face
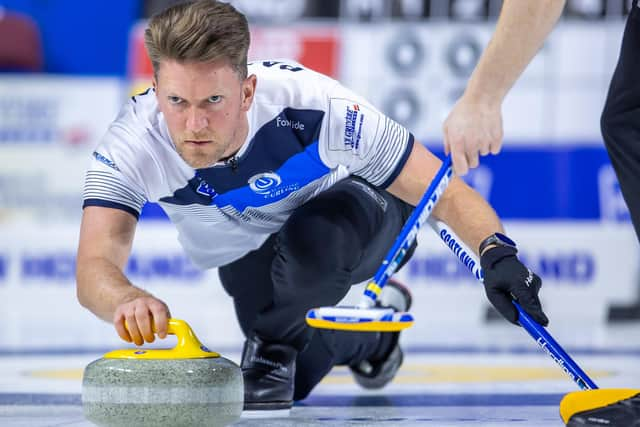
(497, 239)
(504, 239)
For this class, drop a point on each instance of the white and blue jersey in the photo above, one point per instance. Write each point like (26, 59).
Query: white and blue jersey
(306, 132)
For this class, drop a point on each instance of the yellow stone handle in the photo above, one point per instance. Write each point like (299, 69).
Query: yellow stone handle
(188, 346)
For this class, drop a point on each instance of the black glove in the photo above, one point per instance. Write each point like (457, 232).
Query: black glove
(506, 279)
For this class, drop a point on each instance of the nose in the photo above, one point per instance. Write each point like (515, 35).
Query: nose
(196, 120)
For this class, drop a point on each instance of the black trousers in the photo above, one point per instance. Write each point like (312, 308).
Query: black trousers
(335, 240)
(620, 121)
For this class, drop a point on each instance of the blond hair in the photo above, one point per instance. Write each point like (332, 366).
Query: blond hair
(201, 31)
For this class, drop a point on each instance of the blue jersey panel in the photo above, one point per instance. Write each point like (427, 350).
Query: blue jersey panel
(270, 187)
(274, 144)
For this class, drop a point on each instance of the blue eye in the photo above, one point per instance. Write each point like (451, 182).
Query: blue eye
(174, 100)
(214, 99)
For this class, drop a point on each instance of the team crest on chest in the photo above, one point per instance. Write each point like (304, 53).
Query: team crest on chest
(264, 183)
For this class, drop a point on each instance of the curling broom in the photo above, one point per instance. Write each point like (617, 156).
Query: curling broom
(366, 316)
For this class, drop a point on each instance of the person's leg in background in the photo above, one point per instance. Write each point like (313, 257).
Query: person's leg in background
(620, 121)
(620, 125)
(335, 240)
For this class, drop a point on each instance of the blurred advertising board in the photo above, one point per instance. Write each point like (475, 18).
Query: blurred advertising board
(585, 267)
(316, 46)
(38, 288)
(56, 110)
(49, 125)
(415, 71)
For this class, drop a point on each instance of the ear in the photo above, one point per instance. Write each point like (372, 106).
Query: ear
(154, 82)
(248, 91)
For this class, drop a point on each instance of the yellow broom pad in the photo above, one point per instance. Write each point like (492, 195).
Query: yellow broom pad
(580, 401)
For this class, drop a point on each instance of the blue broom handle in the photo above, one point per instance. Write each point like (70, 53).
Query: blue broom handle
(408, 233)
(554, 350)
(537, 331)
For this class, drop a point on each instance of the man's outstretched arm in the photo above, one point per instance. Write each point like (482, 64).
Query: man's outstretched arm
(474, 220)
(106, 236)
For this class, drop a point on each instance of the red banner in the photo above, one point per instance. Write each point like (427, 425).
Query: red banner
(315, 47)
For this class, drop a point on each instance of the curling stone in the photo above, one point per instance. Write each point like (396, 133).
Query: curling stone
(187, 385)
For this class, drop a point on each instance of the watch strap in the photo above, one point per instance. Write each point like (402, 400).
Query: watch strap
(497, 239)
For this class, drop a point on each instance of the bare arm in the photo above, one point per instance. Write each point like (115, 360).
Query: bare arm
(106, 236)
(473, 220)
(461, 207)
(520, 32)
(474, 125)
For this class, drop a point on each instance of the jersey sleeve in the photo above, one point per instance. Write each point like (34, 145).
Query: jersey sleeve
(114, 178)
(364, 140)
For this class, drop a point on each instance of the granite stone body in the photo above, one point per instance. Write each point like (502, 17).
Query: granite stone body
(166, 392)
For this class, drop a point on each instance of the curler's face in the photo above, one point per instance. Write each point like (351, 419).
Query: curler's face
(204, 105)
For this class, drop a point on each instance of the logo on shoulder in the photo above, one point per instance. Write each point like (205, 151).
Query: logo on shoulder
(353, 127)
(263, 183)
(102, 159)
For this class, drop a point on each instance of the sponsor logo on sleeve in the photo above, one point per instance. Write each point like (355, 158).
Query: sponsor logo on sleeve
(102, 159)
(353, 127)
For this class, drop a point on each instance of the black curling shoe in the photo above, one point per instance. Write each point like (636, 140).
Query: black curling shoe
(268, 370)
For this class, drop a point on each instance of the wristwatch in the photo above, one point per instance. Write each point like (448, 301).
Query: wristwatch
(497, 239)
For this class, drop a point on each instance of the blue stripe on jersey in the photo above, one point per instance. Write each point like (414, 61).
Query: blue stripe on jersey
(108, 204)
(270, 187)
(273, 145)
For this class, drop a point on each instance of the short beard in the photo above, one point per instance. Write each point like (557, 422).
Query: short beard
(200, 161)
